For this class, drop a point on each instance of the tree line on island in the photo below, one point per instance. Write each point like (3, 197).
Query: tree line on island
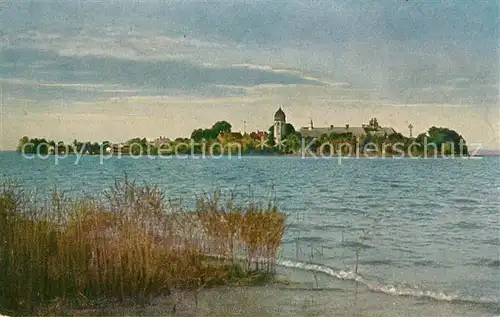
(220, 139)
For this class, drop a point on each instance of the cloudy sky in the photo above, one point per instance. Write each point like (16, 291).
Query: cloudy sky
(114, 70)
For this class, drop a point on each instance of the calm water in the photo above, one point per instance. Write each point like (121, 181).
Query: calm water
(434, 223)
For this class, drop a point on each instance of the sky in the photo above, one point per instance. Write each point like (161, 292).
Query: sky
(115, 70)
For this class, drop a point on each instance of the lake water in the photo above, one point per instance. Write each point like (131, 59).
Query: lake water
(434, 223)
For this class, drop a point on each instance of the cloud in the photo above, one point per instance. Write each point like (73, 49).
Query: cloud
(399, 48)
(118, 42)
(168, 77)
(428, 62)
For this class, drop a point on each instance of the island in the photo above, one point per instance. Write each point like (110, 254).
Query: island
(281, 138)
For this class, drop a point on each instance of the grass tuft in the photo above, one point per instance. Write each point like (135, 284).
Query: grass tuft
(130, 244)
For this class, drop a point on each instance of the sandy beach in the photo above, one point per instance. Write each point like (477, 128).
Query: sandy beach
(326, 297)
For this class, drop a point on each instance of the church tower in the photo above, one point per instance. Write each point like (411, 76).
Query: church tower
(279, 125)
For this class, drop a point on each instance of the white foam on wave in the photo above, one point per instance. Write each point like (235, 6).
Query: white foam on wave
(341, 274)
(394, 290)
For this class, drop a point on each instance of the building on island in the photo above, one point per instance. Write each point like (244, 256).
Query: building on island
(259, 135)
(229, 137)
(160, 141)
(358, 132)
(120, 148)
(372, 129)
(279, 125)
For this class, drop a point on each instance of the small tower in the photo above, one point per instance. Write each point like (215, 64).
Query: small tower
(410, 127)
(311, 124)
(279, 125)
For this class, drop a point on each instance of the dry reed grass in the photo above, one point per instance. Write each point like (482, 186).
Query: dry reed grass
(130, 244)
(236, 230)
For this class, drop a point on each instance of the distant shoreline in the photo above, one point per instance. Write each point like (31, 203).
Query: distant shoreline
(255, 154)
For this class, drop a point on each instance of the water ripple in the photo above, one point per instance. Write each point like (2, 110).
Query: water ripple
(494, 263)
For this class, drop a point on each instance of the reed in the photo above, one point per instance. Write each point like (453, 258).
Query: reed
(253, 231)
(131, 243)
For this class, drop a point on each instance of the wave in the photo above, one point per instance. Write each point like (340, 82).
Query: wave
(327, 227)
(389, 289)
(378, 262)
(494, 241)
(355, 245)
(431, 263)
(395, 290)
(468, 225)
(310, 239)
(465, 200)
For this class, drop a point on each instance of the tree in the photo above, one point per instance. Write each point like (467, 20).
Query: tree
(197, 134)
(211, 133)
(270, 139)
(60, 147)
(323, 138)
(447, 148)
(289, 129)
(420, 139)
(292, 143)
(77, 146)
(396, 137)
(441, 136)
(221, 126)
(22, 145)
(42, 146)
(270, 136)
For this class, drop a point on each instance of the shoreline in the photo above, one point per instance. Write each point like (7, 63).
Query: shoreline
(304, 290)
(306, 294)
(243, 154)
(228, 155)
